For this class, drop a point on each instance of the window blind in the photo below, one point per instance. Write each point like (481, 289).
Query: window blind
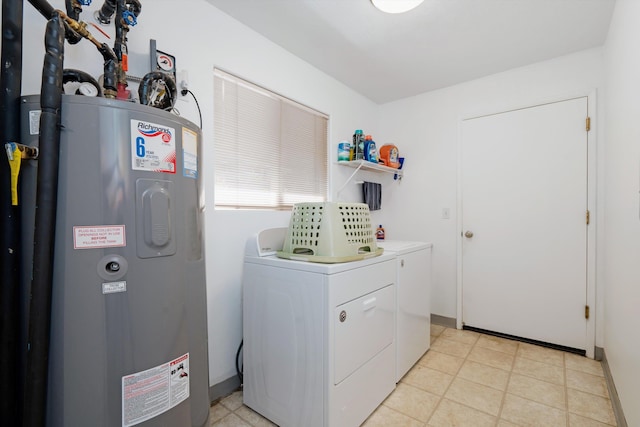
(270, 152)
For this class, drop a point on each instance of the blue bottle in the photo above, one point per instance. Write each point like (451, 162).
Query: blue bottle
(370, 152)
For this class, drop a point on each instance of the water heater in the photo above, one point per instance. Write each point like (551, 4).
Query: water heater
(129, 329)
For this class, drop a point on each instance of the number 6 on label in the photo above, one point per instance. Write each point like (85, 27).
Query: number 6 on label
(140, 151)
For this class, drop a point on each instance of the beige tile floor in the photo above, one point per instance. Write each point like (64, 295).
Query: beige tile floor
(476, 380)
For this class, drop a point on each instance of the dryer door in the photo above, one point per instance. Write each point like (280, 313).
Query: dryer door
(363, 327)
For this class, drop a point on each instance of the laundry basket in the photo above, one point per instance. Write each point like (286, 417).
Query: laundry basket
(330, 232)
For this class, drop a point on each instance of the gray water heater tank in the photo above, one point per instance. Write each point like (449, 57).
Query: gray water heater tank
(129, 326)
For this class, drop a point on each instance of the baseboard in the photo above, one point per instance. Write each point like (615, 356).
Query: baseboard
(224, 389)
(613, 393)
(449, 322)
(598, 354)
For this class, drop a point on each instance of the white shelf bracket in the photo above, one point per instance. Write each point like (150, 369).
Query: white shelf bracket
(349, 179)
(362, 164)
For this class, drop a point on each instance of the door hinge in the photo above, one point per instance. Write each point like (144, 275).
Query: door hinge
(586, 312)
(588, 124)
(588, 217)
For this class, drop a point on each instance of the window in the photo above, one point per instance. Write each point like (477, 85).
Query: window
(270, 152)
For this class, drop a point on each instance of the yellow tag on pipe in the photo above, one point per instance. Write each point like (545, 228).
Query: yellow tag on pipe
(15, 160)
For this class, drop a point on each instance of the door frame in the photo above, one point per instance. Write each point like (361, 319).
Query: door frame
(590, 339)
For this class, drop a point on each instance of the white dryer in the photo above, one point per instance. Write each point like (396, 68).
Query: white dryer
(318, 338)
(413, 285)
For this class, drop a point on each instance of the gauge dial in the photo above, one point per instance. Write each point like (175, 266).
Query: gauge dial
(165, 62)
(87, 89)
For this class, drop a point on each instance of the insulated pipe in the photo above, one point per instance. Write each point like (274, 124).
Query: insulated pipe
(120, 48)
(72, 36)
(110, 81)
(11, 322)
(117, 87)
(120, 44)
(35, 407)
(106, 12)
(74, 9)
(43, 7)
(108, 8)
(110, 59)
(134, 6)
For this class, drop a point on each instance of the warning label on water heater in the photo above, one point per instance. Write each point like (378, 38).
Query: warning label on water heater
(149, 393)
(98, 236)
(153, 147)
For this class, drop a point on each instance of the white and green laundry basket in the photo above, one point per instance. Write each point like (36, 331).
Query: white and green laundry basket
(330, 232)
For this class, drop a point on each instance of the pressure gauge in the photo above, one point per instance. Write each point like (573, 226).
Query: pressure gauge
(87, 89)
(165, 62)
(162, 61)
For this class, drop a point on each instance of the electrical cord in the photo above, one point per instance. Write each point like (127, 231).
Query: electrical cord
(184, 92)
(239, 369)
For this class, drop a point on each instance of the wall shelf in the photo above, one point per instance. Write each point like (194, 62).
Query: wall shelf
(363, 164)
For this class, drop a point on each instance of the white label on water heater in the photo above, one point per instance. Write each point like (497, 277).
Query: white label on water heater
(114, 287)
(189, 153)
(149, 393)
(153, 147)
(34, 122)
(99, 236)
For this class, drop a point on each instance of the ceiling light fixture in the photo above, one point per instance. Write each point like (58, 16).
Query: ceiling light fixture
(396, 6)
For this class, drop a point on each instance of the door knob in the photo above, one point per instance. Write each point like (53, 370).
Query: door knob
(468, 234)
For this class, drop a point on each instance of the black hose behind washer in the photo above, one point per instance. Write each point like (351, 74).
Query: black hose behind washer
(239, 367)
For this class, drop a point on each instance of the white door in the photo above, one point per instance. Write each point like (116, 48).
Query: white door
(524, 204)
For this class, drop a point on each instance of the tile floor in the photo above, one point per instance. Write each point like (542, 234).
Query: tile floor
(475, 380)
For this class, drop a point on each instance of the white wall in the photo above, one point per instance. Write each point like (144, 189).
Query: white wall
(622, 210)
(203, 38)
(425, 128)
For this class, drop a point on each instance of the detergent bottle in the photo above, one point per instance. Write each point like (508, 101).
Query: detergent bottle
(380, 233)
(370, 152)
(344, 151)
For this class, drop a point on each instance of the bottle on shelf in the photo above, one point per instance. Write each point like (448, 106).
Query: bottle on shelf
(344, 151)
(358, 144)
(370, 152)
(380, 233)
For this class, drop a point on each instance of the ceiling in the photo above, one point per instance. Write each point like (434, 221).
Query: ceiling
(386, 57)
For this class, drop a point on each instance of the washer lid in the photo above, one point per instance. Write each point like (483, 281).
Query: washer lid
(315, 267)
(402, 247)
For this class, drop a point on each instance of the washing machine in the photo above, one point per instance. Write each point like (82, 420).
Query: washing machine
(413, 311)
(319, 339)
